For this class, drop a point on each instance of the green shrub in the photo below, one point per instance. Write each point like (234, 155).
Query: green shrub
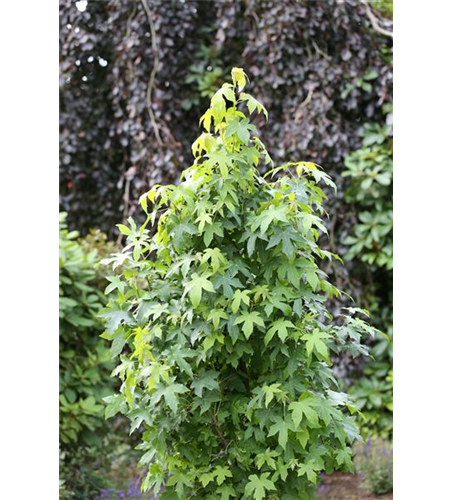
(370, 169)
(84, 358)
(371, 392)
(223, 316)
(85, 362)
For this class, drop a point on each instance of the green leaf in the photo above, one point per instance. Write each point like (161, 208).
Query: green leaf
(179, 356)
(238, 78)
(115, 318)
(280, 327)
(206, 478)
(253, 104)
(170, 395)
(270, 391)
(304, 408)
(221, 473)
(206, 381)
(258, 485)
(239, 297)
(287, 237)
(195, 287)
(118, 344)
(310, 470)
(203, 219)
(241, 128)
(115, 284)
(267, 458)
(218, 104)
(343, 457)
(281, 427)
(206, 119)
(312, 279)
(326, 411)
(315, 342)
(210, 230)
(227, 282)
(114, 404)
(264, 219)
(303, 437)
(215, 316)
(226, 491)
(221, 158)
(216, 258)
(124, 229)
(249, 320)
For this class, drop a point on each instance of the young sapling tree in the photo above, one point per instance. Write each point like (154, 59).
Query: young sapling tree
(220, 324)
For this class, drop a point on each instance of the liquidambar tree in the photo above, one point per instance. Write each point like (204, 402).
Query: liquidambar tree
(220, 323)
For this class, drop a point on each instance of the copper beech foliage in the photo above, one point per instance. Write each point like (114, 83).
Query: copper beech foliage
(219, 323)
(126, 69)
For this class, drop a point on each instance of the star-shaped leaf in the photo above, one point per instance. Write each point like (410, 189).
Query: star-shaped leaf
(343, 457)
(258, 485)
(195, 288)
(206, 380)
(241, 128)
(170, 394)
(265, 218)
(249, 320)
(115, 318)
(281, 427)
(215, 316)
(315, 342)
(280, 327)
(304, 407)
(221, 158)
(221, 473)
(310, 470)
(239, 297)
(270, 391)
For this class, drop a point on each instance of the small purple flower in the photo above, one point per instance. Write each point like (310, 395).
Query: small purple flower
(134, 488)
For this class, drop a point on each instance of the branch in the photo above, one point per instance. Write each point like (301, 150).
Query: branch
(218, 431)
(152, 75)
(306, 101)
(374, 21)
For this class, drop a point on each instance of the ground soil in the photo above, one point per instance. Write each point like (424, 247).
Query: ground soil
(339, 486)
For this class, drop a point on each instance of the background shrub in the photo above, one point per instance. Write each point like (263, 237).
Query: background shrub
(85, 363)
(370, 170)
